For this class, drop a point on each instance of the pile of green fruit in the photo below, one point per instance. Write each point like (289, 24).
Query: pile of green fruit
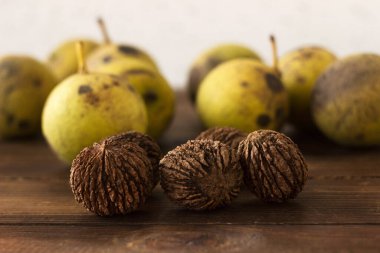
(307, 87)
(85, 92)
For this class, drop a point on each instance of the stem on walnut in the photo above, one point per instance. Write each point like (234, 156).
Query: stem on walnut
(82, 68)
(104, 31)
(274, 54)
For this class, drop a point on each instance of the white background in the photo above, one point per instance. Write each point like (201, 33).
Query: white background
(175, 32)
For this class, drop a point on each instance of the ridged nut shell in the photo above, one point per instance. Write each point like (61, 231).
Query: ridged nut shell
(149, 145)
(201, 175)
(111, 178)
(227, 135)
(274, 168)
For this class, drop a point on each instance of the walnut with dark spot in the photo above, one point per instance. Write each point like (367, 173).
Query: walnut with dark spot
(263, 120)
(107, 58)
(128, 50)
(140, 72)
(301, 80)
(150, 96)
(131, 88)
(9, 118)
(8, 69)
(148, 144)
(305, 53)
(24, 124)
(92, 99)
(111, 177)
(274, 168)
(37, 82)
(201, 175)
(274, 83)
(85, 88)
(227, 135)
(244, 84)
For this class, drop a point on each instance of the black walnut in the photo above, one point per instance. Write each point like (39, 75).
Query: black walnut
(148, 144)
(274, 168)
(111, 177)
(201, 175)
(227, 135)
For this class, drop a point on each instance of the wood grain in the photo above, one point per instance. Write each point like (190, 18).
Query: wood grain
(338, 211)
(329, 201)
(194, 238)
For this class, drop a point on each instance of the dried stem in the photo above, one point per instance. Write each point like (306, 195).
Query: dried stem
(104, 31)
(274, 54)
(82, 68)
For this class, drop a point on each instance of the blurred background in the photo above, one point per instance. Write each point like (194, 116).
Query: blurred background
(176, 32)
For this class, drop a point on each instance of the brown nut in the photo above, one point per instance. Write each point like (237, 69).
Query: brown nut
(274, 168)
(201, 174)
(111, 177)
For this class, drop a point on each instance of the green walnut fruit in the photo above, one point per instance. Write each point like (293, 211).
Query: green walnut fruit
(109, 52)
(212, 58)
(86, 108)
(300, 70)
(158, 96)
(24, 86)
(244, 94)
(63, 62)
(345, 101)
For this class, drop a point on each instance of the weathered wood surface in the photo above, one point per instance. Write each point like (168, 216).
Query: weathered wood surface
(339, 210)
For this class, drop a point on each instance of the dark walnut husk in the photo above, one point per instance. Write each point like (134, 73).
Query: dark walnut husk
(201, 175)
(227, 135)
(111, 177)
(274, 168)
(149, 145)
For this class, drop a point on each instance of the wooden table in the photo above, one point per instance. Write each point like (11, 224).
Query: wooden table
(338, 211)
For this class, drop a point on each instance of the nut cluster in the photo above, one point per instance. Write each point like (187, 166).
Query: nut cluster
(274, 168)
(116, 175)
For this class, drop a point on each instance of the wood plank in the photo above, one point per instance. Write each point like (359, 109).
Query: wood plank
(194, 238)
(327, 201)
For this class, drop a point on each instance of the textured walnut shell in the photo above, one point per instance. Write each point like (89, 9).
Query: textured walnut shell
(227, 135)
(201, 174)
(148, 144)
(274, 168)
(111, 178)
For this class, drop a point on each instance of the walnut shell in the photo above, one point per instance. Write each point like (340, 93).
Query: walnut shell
(149, 145)
(227, 135)
(111, 177)
(201, 174)
(274, 168)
